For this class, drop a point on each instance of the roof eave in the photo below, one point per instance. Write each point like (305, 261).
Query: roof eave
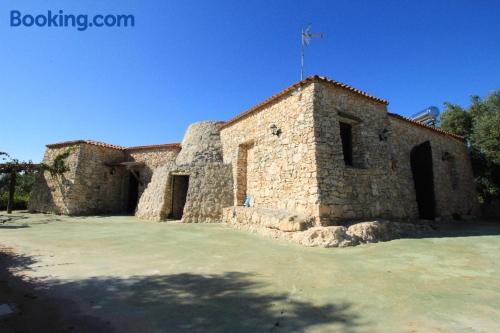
(303, 83)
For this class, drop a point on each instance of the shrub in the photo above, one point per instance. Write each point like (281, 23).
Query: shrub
(20, 201)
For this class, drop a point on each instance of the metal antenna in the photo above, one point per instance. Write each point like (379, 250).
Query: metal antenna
(306, 38)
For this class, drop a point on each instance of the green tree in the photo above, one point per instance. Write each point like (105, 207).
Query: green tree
(479, 123)
(17, 178)
(456, 120)
(486, 133)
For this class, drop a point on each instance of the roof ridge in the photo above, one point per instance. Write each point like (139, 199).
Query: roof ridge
(417, 123)
(313, 78)
(90, 142)
(162, 145)
(111, 146)
(348, 87)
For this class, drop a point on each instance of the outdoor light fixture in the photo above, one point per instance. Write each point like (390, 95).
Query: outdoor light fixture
(384, 135)
(275, 130)
(446, 156)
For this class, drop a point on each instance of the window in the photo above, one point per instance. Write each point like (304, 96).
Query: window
(346, 137)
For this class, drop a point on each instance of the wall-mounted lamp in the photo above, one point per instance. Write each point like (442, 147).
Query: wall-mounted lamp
(275, 130)
(112, 171)
(446, 156)
(384, 135)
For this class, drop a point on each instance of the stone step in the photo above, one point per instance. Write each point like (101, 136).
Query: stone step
(280, 219)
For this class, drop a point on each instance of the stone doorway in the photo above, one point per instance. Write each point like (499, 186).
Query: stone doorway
(180, 184)
(244, 155)
(133, 192)
(421, 167)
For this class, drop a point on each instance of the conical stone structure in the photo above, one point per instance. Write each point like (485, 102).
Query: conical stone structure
(198, 175)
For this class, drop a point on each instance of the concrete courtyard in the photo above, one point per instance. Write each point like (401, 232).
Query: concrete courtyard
(171, 277)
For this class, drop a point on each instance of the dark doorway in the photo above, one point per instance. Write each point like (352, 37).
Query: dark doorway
(180, 186)
(346, 138)
(133, 192)
(421, 167)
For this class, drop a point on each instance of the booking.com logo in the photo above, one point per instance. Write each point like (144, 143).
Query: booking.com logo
(81, 22)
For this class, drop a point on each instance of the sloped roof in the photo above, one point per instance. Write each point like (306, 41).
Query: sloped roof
(161, 146)
(116, 147)
(297, 85)
(89, 142)
(438, 130)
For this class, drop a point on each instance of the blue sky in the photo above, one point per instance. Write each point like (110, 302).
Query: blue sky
(187, 61)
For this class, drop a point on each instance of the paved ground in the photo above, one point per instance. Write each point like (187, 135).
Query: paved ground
(170, 277)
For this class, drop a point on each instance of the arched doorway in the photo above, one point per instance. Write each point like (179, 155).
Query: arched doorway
(421, 167)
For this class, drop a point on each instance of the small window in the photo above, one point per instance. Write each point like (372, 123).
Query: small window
(346, 137)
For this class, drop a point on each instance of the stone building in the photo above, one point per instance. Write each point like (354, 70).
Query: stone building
(318, 153)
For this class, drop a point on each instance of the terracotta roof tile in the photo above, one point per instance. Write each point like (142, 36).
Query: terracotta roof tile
(299, 84)
(107, 145)
(89, 142)
(438, 130)
(161, 146)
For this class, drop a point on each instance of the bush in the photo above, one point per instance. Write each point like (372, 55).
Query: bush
(20, 201)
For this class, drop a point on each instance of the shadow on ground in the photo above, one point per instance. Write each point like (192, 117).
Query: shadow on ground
(9, 218)
(463, 229)
(34, 310)
(12, 221)
(229, 302)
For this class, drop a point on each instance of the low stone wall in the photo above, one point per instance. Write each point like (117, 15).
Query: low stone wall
(278, 219)
(280, 224)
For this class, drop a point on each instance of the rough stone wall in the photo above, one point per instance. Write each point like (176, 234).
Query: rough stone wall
(201, 144)
(99, 189)
(454, 186)
(277, 171)
(89, 187)
(151, 205)
(153, 177)
(210, 180)
(54, 194)
(301, 170)
(380, 182)
(363, 190)
(209, 191)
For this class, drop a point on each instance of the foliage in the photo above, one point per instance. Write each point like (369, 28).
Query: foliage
(4, 156)
(480, 125)
(456, 120)
(20, 201)
(25, 177)
(486, 135)
(58, 165)
(24, 183)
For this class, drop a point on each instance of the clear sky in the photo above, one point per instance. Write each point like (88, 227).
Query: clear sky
(186, 61)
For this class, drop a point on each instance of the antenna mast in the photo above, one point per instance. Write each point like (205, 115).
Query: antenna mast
(306, 36)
